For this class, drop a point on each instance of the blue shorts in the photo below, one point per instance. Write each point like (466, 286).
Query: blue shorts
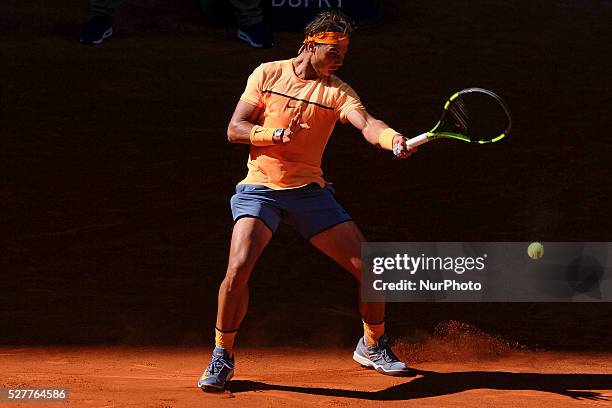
(309, 209)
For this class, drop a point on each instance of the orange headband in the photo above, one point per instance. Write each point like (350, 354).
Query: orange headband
(328, 38)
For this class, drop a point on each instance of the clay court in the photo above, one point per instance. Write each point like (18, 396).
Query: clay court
(117, 175)
(299, 377)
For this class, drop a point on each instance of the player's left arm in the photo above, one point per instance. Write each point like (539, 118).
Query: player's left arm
(379, 133)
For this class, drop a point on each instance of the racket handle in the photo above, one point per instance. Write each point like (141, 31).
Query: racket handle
(418, 140)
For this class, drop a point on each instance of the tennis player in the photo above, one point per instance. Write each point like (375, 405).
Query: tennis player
(287, 114)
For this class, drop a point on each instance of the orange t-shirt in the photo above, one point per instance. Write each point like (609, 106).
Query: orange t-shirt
(279, 92)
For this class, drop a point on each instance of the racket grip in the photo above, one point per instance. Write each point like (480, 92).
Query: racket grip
(418, 140)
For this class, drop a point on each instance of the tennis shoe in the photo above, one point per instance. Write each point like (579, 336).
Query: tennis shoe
(380, 357)
(257, 35)
(96, 30)
(219, 371)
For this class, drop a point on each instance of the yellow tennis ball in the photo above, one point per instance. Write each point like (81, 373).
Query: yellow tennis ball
(535, 250)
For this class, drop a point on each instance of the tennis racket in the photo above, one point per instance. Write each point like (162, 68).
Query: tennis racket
(473, 115)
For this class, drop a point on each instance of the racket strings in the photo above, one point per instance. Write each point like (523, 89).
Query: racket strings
(476, 116)
(460, 114)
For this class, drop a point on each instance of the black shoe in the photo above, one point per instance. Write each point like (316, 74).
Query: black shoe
(96, 30)
(257, 35)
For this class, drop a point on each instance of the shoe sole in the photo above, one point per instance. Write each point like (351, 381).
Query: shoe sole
(216, 388)
(370, 364)
(244, 37)
(106, 34)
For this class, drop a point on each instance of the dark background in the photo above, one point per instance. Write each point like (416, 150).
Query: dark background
(116, 173)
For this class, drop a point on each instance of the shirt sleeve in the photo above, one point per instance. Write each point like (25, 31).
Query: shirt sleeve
(348, 100)
(253, 92)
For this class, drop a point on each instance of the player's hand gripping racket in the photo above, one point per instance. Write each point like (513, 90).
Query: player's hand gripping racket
(472, 115)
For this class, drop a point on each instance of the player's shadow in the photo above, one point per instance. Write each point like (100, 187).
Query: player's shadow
(432, 384)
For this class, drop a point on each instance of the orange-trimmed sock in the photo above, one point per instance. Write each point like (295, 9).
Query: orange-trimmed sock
(372, 332)
(225, 340)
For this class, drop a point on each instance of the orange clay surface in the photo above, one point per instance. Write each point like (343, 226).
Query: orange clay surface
(295, 377)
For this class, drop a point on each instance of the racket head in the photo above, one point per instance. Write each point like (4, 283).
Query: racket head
(474, 115)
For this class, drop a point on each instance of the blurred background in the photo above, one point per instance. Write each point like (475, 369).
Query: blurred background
(116, 172)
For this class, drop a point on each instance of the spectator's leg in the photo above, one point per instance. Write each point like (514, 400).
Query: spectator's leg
(105, 8)
(100, 24)
(251, 26)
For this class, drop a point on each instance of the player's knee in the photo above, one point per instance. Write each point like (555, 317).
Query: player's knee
(237, 275)
(355, 265)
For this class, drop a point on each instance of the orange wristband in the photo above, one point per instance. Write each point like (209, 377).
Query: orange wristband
(385, 140)
(261, 136)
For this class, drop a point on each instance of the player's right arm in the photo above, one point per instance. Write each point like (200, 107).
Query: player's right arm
(242, 127)
(242, 122)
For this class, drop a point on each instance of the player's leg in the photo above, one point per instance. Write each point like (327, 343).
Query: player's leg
(342, 243)
(249, 237)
